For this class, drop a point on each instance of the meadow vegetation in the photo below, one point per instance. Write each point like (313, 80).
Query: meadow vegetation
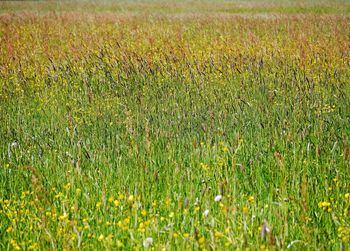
(162, 127)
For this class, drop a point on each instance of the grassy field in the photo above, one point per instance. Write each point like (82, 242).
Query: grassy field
(172, 126)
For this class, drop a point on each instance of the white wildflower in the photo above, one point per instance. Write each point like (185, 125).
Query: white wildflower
(218, 198)
(147, 242)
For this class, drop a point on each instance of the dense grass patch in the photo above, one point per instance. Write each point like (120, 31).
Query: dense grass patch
(180, 131)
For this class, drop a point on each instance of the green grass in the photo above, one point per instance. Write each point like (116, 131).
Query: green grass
(119, 128)
(339, 7)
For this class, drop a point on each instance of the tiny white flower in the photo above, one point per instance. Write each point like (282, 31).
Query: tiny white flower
(206, 212)
(147, 242)
(218, 198)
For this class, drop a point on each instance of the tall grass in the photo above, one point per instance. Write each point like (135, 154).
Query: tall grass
(172, 132)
